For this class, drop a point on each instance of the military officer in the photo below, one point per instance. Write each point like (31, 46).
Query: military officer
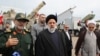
(17, 41)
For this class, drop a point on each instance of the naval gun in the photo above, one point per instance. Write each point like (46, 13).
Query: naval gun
(32, 15)
(87, 17)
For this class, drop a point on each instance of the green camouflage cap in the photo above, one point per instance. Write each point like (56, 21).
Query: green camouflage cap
(21, 16)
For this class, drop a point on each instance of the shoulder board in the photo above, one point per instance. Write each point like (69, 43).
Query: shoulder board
(7, 30)
(26, 30)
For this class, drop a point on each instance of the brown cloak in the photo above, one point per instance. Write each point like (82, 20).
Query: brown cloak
(81, 39)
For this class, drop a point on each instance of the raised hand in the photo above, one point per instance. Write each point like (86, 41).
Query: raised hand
(11, 41)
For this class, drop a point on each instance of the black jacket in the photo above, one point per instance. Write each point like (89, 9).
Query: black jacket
(68, 42)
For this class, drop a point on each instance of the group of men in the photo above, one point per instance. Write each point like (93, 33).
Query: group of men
(44, 39)
(49, 41)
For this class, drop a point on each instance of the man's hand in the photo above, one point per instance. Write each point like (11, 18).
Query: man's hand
(11, 41)
(97, 55)
(79, 55)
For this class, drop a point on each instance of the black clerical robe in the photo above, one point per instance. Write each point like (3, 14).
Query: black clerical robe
(45, 46)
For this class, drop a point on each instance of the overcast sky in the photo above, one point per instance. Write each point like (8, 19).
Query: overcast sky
(83, 7)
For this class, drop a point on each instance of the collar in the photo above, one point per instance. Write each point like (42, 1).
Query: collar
(42, 24)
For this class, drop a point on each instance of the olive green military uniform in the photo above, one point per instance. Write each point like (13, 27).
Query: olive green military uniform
(24, 47)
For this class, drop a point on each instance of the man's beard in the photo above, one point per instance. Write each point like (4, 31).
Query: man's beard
(42, 22)
(51, 30)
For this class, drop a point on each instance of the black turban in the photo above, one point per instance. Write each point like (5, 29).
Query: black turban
(51, 17)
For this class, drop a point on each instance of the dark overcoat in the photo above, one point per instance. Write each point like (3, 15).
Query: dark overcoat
(68, 42)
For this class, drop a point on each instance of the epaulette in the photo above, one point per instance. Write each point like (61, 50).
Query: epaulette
(26, 30)
(7, 30)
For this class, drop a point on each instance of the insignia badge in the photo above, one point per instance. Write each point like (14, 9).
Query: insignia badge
(14, 33)
(22, 16)
(24, 32)
(8, 30)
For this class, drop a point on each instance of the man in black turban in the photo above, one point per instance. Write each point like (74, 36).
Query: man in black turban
(50, 42)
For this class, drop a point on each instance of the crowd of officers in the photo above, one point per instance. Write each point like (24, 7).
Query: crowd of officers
(44, 39)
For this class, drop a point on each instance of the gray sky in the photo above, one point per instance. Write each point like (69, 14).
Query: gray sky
(83, 7)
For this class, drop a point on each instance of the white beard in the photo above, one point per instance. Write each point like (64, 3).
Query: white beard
(51, 30)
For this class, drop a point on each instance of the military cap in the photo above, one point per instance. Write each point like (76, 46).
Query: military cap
(21, 16)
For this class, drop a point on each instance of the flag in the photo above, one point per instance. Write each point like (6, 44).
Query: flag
(1, 19)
